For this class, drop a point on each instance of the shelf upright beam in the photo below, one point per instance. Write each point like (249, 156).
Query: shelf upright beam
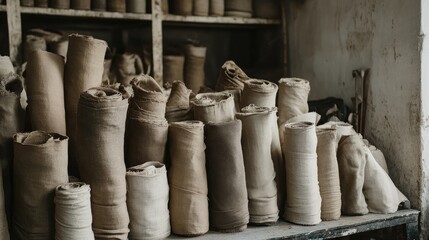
(157, 17)
(14, 30)
(285, 38)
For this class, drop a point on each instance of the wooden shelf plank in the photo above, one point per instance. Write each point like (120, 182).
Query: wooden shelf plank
(220, 20)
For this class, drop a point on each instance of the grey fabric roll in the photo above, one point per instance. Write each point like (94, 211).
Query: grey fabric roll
(293, 96)
(136, 6)
(59, 4)
(173, 66)
(238, 8)
(195, 57)
(231, 76)
(182, 7)
(80, 4)
(116, 5)
(217, 7)
(60, 47)
(32, 43)
(214, 107)
(178, 108)
(201, 8)
(41, 3)
(27, 3)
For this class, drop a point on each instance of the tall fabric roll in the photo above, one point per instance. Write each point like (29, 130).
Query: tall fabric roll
(129, 65)
(182, 7)
(80, 4)
(217, 7)
(188, 179)
(27, 3)
(32, 43)
(100, 156)
(266, 9)
(214, 107)
(83, 70)
(226, 177)
(194, 67)
(73, 217)
(173, 66)
(178, 108)
(263, 93)
(231, 76)
(45, 91)
(147, 200)
(60, 4)
(293, 96)
(60, 47)
(39, 166)
(98, 5)
(41, 3)
(329, 178)
(238, 8)
(4, 231)
(303, 201)
(136, 6)
(260, 174)
(201, 8)
(116, 6)
(6, 66)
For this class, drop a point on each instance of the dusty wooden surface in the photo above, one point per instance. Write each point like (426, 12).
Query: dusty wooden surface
(157, 40)
(15, 31)
(221, 20)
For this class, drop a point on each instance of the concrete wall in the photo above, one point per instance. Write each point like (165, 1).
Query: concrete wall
(330, 38)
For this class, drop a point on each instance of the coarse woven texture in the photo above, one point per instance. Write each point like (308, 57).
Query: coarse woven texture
(83, 70)
(73, 217)
(217, 7)
(293, 96)
(178, 108)
(238, 8)
(351, 164)
(343, 129)
(236, 93)
(116, 5)
(231, 76)
(214, 107)
(39, 166)
(263, 93)
(194, 67)
(312, 117)
(100, 156)
(226, 177)
(129, 66)
(201, 7)
(41, 3)
(98, 5)
(45, 91)
(136, 6)
(4, 231)
(303, 201)
(182, 7)
(188, 179)
(12, 121)
(266, 9)
(59, 4)
(260, 174)
(6, 66)
(147, 200)
(60, 47)
(379, 157)
(329, 178)
(80, 4)
(27, 3)
(173, 66)
(32, 43)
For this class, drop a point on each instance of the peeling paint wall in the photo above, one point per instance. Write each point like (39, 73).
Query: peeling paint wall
(330, 38)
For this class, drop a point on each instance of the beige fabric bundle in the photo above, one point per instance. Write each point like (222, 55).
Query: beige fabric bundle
(80, 4)
(41, 3)
(217, 7)
(182, 7)
(27, 3)
(194, 67)
(83, 70)
(231, 76)
(178, 108)
(4, 231)
(293, 96)
(379, 157)
(6, 66)
(173, 68)
(147, 201)
(236, 93)
(238, 8)
(98, 5)
(60, 47)
(260, 174)
(129, 65)
(100, 156)
(32, 43)
(45, 91)
(188, 179)
(266, 9)
(329, 178)
(214, 107)
(201, 8)
(228, 203)
(73, 216)
(60, 4)
(39, 166)
(351, 164)
(136, 6)
(116, 5)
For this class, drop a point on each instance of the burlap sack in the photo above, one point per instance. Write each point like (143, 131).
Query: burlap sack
(260, 174)
(351, 165)
(4, 231)
(27, 3)
(83, 70)
(98, 5)
(45, 91)
(194, 67)
(41, 3)
(379, 157)
(6, 66)
(116, 5)
(60, 47)
(39, 166)
(100, 156)
(178, 108)
(182, 7)
(73, 217)
(238, 8)
(266, 9)
(188, 179)
(32, 43)
(11, 122)
(303, 201)
(226, 177)
(201, 8)
(165, 7)
(217, 7)
(136, 6)
(231, 77)
(60, 4)
(236, 93)
(147, 201)
(129, 65)
(293, 96)
(329, 178)
(173, 66)
(214, 107)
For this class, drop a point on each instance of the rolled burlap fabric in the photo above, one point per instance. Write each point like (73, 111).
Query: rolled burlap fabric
(4, 231)
(293, 96)
(98, 5)
(182, 7)
(178, 108)
(32, 43)
(217, 7)
(45, 91)
(147, 201)
(188, 179)
(194, 67)
(214, 107)
(328, 174)
(201, 7)
(379, 157)
(238, 8)
(116, 5)
(303, 201)
(6, 66)
(60, 47)
(39, 166)
(226, 177)
(59, 4)
(260, 174)
(129, 65)
(41, 3)
(27, 3)
(343, 129)
(73, 217)
(83, 70)
(173, 66)
(266, 9)
(231, 76)
(236, 93)
(80, 4)
(100, 156)
(351, 165)
(136, 6)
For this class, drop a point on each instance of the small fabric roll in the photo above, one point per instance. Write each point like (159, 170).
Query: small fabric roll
(201, 7)
(80, 4)
(238, 8)
(228, 203)
(60, 4)
(27, 3)
(188, 179)
(329, 178)
(173, 66)
(98, 5)
(73, 217)
(217, 7)
(303, 201)
(182, 7)
(45, 91)
(194, 67)
(129, 65)
(100, 156)
(147, 200)
(60, 47)
(41, 3)
(4, 231)
(6, 66)
(39, 166)
(260, 174)
(32, 43)
(293, 96)
(116, 6)
(136, 6)
(231, 76)
(214, 107)
(266, 9)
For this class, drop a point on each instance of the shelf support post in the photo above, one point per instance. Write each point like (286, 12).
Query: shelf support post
(285, 38)
(14, 30)
(157, 16)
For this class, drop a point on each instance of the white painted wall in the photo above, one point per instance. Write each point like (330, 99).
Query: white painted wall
(330, 38)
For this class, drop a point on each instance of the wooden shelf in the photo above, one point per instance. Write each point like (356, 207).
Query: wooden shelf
(220, 20)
